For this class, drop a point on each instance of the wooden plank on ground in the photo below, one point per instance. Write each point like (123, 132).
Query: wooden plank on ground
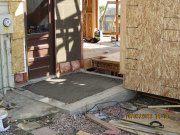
(102, 123)
(137, 127)
(171, 121)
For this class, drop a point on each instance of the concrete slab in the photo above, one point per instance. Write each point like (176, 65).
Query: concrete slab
(44, 131)
(114, 93)
(28, 107)
(29, 126)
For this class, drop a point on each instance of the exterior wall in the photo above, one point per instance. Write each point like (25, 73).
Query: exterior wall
(17, 38)
(151, 48)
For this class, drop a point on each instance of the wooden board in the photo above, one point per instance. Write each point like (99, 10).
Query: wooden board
(102, 123)
(87, 64)
(138, 127)
(171, 123)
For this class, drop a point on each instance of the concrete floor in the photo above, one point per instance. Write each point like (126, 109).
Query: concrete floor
(31, 105)
(74, 87)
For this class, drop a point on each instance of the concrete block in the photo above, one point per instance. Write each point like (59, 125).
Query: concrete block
(75, 65)
(18, 78)
(109, 132)
(64, 67)
(44, 131)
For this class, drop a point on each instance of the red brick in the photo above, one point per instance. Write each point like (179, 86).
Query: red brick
(18, 78)
(109, 132)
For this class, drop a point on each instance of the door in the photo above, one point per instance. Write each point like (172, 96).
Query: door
(39, 23)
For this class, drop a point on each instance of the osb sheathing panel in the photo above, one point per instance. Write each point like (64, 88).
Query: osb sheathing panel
(17, 55)
(132, 16)
(132, 2)
(147, 38)
(17, 38)
(171, 92)
(132, 53)
(172, 8)
(18, 21)
(172, 23)
(157, 61)
(131, 64)
(171, 35)
(152, 45)
(171, 60)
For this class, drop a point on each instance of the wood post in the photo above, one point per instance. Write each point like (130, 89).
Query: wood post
(117, 20)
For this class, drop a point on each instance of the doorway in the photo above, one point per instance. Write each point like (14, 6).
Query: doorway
(40, 38)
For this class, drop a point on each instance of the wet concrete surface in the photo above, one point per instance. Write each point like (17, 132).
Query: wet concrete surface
(73, 87)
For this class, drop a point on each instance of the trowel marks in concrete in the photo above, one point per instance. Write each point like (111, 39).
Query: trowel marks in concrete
(73, 87)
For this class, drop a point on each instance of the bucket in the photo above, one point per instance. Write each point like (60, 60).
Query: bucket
(4, 121)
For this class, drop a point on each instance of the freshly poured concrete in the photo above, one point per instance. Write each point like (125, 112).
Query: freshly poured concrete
(115, 92)
(74, 87)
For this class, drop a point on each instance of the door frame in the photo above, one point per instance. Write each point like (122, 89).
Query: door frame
(50, 34)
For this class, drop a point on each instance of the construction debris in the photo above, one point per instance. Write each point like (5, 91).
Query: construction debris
(102, 123)
(109, 132)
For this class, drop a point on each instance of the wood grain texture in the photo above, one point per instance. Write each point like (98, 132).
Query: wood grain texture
(122, 69)
(172, 24)
(171, 92)
(17, 55)
(132, 16)
(100, 122)
(17, 42)
(172, 8)
(171, 60)
(132, 2)
(18, 20)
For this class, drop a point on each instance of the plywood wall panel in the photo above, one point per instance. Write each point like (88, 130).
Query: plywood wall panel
(132, 16)
(133, 37)
(131, 64)
(132, 53)
(132, 2)
(132, 80)
(171, 92)
(171, 35)
(17, 55)
(158, 62)
(16, 8)
(171, 67)
(172, 8)
(172, 23)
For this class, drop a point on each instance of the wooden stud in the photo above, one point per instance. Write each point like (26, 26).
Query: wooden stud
(123, 38)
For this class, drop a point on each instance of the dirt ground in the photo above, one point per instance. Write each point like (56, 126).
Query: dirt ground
(73, 87)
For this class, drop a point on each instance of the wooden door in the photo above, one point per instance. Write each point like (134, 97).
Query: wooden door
(39, 25)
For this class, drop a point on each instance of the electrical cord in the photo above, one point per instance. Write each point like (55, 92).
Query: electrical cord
(96, 105)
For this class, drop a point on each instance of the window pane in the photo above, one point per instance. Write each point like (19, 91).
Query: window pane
(37, 16)
(108, 17)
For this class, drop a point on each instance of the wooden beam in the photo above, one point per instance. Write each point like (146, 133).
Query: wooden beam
(117, 18)
(123, 38)
(102, 123)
